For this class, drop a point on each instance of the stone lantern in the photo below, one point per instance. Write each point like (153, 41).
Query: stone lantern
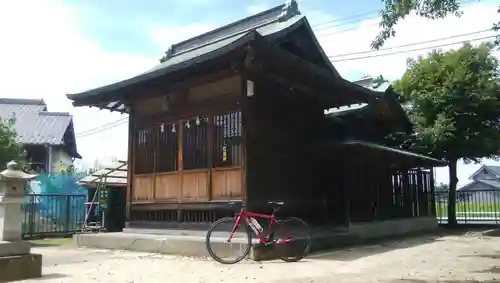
(16, 261)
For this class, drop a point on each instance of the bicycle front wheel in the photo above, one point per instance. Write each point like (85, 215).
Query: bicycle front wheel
(225, 245)
(293, 239)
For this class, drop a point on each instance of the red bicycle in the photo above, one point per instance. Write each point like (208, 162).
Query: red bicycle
(279, 233)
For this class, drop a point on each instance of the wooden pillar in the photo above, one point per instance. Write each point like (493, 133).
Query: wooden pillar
(130, 164)
(248, 91)
(414, 192)
(432, 192)
(180, 166)
(346, 197)
(425, 193)
(211, 147)
(407, 208)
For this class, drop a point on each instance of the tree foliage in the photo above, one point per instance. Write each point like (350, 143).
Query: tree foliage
(9, 148)
(441, 187)
(453, 99)
(396, 10)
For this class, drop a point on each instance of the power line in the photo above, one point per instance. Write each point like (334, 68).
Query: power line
(349, 19)
(102, 128)
(339, 22)
(342, 23)
(346, 30)
(410, 44)
(412, 50)
(375, 14)
(118, 122)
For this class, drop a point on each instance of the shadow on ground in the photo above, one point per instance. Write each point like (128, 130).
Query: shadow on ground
(51, 276)
(389, 244)
(492, 233)
(357, 252)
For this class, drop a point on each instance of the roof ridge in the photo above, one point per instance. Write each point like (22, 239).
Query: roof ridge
(22, 101)
(277, 13)
(48, 113)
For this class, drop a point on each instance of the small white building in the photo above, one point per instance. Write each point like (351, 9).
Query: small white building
(484, 187)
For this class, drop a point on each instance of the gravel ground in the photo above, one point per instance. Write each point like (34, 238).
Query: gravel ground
(470, 257)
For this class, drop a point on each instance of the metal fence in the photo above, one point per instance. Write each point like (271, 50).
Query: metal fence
(52, 214)
(60, 214)
(473, 207)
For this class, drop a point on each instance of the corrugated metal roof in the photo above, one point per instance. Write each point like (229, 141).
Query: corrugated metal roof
(33, 123)
(115, 176)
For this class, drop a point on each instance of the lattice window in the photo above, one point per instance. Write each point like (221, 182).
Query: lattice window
(195, 143)
(145, 149)
(228, 131)
(167, 150)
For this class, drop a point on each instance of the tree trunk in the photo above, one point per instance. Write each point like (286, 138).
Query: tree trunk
(452, 193)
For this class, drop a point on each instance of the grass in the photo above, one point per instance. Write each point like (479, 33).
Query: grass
(469, 209)
(51, 242)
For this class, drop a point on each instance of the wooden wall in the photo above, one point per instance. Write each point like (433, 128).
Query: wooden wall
(280, 125)
(176, 143)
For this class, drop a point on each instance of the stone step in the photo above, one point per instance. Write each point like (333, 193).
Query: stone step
(178, 243)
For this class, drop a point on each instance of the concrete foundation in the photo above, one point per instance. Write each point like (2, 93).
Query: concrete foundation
(17, 263)
(14, 248)
(192, 242)
(20, 267)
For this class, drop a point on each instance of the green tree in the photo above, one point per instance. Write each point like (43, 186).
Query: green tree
(395, 10)
(453, 98)
(9, 148)
(441, 187)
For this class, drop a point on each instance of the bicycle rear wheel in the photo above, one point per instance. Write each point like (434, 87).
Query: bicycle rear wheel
(224, 248)
(293, 239)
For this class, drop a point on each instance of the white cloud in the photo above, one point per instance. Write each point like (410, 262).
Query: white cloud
(43, 55)
(348, 39)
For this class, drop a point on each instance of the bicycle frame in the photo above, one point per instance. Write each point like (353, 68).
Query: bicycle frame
(263, 239)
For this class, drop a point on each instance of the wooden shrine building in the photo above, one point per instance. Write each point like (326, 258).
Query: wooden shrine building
(238, 113)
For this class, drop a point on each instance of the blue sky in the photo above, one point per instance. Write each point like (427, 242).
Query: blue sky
(119, 25)
(53, 47)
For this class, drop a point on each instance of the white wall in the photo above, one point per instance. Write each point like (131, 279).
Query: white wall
(60, 159)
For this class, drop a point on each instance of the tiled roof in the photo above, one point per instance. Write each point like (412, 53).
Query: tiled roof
(273, 23)
(495, 184)
(494, 168)
(33, 123)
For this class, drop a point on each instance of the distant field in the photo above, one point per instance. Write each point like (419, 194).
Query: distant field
(470, 209)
